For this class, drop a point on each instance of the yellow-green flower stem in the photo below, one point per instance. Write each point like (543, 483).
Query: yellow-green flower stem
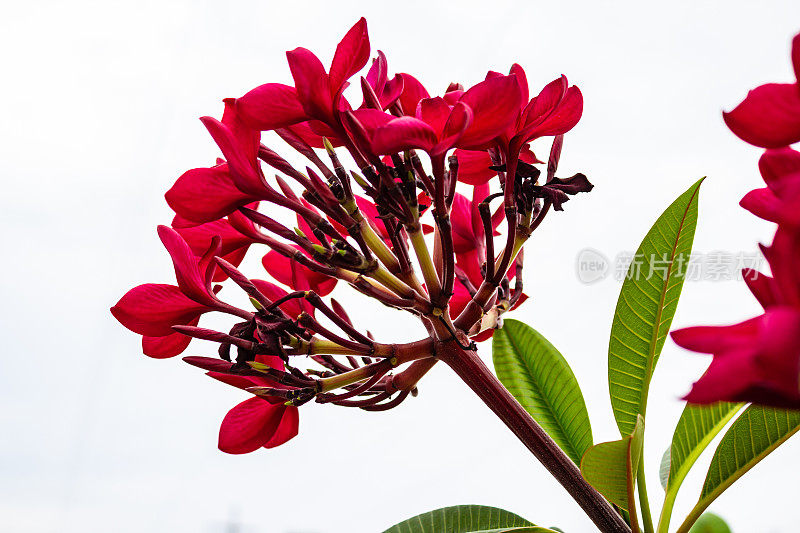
(425, 262)
(354, 376)
(394, 355)
(321, 346)
(373, 241)
(392, 282)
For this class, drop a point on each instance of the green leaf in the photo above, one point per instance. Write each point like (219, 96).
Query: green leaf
(710, 523)
(696, 428)
(464, 519)
(663, 469)
(646, 306)
(753, 436)
(611, 467)
(541, 380)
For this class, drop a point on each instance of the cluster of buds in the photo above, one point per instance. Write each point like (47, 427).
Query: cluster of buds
(394, 228)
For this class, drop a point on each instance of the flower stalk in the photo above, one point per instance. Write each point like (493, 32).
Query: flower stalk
(471, 369)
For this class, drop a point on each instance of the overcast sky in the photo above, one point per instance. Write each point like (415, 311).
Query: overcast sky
(101, 101)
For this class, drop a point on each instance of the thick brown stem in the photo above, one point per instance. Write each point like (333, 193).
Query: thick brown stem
(482, 381)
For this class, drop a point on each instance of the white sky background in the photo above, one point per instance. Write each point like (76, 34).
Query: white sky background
(101, 101)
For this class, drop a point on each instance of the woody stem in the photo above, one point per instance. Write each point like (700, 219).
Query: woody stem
(469, 367)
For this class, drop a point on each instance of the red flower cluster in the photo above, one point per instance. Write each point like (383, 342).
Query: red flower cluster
(373, 241)
(758, 360)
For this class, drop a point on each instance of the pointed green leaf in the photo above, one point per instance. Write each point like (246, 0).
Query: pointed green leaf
(611, 467)
(463, 519)
(753, 436)
(696, 428)
(646, 306)
(541, 380)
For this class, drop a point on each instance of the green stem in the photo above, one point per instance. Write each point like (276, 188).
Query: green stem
(666, 510)
(425, 262)
(644, 503)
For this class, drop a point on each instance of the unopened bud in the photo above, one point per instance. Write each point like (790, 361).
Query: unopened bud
(360, 180)
(328, 146)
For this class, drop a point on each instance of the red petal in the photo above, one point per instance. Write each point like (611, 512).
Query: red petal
(779, 350)
(247, 137)
(769, 116)
(713, 339)
(206, 194)
(391, 91)
(558, 120)
(473, 167)
(249, 426)
(413, 92)
(271, 106)
(311, 82)
(796, 56)
(287, 429)
(435, 112)
(457, 123)
(404, 133)
(495, 104)
(761, 285)
(152, 309)
(190, 279)
(763, 204)
(165, 347)
(547, 100)
(377, 75)
(241, 162)
(464, 238)
(459, 300)
(351, 55)
(725, 378)
(470, 263)
(780, 169)
(522, 81)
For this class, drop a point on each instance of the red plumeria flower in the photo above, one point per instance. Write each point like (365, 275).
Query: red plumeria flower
(207, 194)
(770, 114)
(473, 119)
(555, 111)
(152, 309)
(317, 94)
(758, 360)
(777, 202)
(259, 421)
